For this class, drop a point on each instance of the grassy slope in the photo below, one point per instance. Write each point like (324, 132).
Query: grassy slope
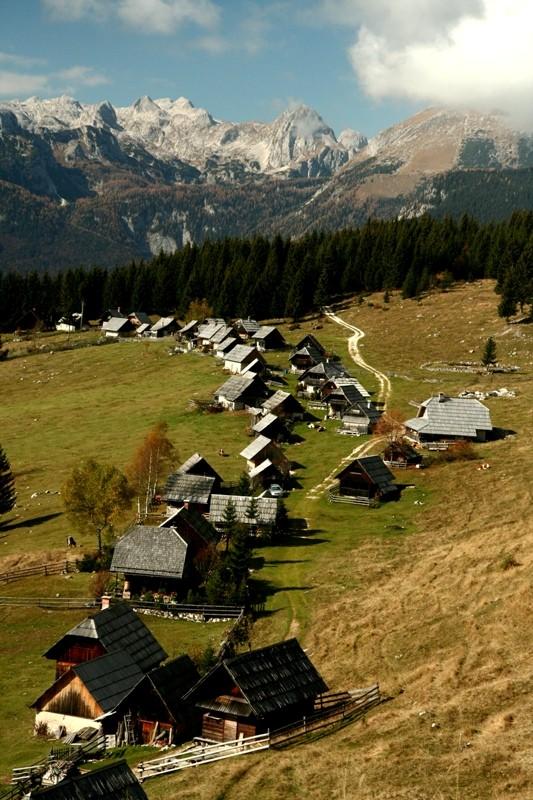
(429, 610)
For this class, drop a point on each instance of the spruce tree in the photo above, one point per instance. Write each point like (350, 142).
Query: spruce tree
(238, 561)
(7, 484)
(229, 522)
(488, 357)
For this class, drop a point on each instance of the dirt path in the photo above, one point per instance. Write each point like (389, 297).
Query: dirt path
(383, 397)
(353, 349)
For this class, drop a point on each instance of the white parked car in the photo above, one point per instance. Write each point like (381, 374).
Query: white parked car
(275, 490)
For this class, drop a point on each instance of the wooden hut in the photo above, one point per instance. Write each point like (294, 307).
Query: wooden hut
(268, 337)
(283, 404)
(165, 326)
(242, 358)
(246, 328)
(191, 490)
(447, 419)
(241, 391)
(366, 479)
(114, 629)
(401, 454)
(163, 558)
(311, 381)
(256, 691)
(198, 465)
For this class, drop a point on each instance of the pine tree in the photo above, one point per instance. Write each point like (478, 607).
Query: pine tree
(488, 357)
(238, 561)
(7, 484)
(243, 486)
(229, 522)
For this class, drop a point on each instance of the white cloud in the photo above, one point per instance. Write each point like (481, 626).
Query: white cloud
(13, 84)
(73, 10)
(20, 61)
(82, 76)
(147, 16)
(463, 53)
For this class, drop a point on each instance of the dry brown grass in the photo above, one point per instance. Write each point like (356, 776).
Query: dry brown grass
(434, 616)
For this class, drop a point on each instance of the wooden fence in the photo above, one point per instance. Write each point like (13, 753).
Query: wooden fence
(340, 707)
(334, 497)
(58, 603)
(179, 609)
(50, 568)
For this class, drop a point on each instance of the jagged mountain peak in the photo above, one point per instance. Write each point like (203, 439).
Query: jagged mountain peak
(144, 105)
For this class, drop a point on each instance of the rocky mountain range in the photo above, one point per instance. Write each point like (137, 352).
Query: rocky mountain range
(98, 184)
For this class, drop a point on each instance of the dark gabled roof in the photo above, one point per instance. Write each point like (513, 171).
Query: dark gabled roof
(343, 382)
(194, 488)
(324, 371)
(198, 465)
(240, 353)
(183, 519)
(310, 340)
(173, 680)
(374, 468)
(110, 678)
(150, 550)
(117, 628)
(111, 782)
(271, 679)
(239, 385)
(267, 508)
(142, 316)
(363, 409)
(349, 391)
(311, 352)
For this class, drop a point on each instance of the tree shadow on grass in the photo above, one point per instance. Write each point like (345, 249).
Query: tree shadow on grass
(28, 523)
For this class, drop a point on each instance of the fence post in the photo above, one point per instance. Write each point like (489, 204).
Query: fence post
(305, 725)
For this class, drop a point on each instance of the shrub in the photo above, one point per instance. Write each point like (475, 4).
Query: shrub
(509, 561)
(457, 451)
(100, 583)
(41, 729)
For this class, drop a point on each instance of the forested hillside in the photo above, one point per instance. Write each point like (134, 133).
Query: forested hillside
(267, 278)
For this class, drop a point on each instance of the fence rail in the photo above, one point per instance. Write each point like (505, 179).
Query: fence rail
(202, 610)
(51, 602)
(357, 501)
(50, 568)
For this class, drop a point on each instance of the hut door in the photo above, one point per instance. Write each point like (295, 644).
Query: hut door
(230, 730)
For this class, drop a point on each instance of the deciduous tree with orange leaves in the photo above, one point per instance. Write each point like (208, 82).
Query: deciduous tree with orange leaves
(151, 461)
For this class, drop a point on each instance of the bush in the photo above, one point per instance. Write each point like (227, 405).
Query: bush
(509, 561)
(95, 561)
(457, 451)
(100, 583)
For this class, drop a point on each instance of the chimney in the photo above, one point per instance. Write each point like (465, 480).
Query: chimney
(105, 601)
(442, 397)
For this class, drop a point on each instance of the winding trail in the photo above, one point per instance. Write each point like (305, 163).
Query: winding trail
(383, 397)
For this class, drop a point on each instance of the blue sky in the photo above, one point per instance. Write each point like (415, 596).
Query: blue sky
(364, 64)
(240, 60)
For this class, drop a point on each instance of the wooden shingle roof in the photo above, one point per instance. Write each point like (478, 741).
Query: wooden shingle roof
(271, 679)
(110, 678)
(240, 353)
(111, 782)
(117, 628)
(236, 386)
(281, 398)
(150, 550)
(267, 508)
(173, 680)
(374, 467)
(451, 416)
(184, 486)
(255, 447)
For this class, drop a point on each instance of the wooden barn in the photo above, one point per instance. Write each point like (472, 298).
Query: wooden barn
(243, 358)
(447, 419)
(186, 489)
(226, 345)
(111, 782)
(267, 509)
(113, 629)
(117, 327)
(366, 479)
(255, 692)
(166, 326)
(311, 381)
(242, 391)
(198, 465)
(187, 335)
(283, 404)
(206, 331)
(271, 426)
(162, 559)
(401, 454)
(306, 354)
(268, 337)
(246, 328)
(107, 691)
(360, 418)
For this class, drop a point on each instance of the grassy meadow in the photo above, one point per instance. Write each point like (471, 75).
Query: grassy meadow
(430, 598)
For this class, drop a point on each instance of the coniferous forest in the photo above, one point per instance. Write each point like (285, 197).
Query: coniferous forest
(265, 278)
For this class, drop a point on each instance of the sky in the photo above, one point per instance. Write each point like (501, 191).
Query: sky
(362, 64)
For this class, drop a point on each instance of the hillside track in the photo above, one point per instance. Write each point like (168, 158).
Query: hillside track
(383, 397)
(355, 353)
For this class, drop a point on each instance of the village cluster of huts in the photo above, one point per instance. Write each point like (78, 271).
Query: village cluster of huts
(112, 678)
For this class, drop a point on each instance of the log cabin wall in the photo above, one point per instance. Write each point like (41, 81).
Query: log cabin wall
(73, 699)
(226, 729)
(77, 653)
